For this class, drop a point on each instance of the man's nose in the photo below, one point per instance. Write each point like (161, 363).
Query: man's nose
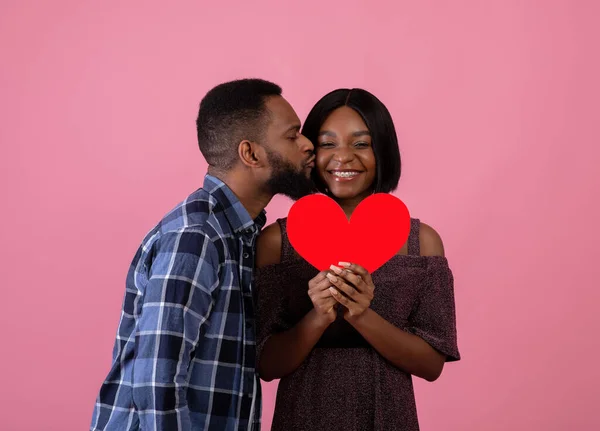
(306, 145)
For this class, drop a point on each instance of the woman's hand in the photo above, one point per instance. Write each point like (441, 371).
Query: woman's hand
(323, 302)
(356, 287)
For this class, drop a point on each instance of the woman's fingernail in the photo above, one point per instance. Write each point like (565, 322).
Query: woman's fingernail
(332, 290)
(346, 264)
(336, 269)
(331, 277)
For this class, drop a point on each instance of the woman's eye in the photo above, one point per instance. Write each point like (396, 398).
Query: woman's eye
(326, 144)
(361, 144)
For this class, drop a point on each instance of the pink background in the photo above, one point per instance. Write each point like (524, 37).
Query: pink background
(496, 105)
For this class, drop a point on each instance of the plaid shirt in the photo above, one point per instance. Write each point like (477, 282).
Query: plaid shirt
(184, 356)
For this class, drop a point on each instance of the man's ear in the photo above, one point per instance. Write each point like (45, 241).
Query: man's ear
(252, 154)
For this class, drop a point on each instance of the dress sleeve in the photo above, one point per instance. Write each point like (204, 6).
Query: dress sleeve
(434, 315)
(271, 304)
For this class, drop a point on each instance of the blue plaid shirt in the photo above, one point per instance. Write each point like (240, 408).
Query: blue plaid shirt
(184, 356)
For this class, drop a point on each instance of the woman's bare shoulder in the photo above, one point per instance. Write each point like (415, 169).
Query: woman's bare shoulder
(430, 241)
(268, 246)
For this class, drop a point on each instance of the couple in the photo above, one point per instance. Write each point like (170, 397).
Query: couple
(210, 305)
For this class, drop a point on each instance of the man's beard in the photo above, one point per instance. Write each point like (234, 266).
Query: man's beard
(287, 180)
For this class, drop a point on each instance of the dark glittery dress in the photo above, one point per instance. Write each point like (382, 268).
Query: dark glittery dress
(344, 384)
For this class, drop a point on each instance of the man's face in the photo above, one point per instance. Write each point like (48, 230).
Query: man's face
(290, 154)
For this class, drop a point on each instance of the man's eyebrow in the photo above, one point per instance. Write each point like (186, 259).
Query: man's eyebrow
(295, 127)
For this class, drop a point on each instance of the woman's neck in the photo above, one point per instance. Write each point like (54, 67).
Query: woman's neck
(350, 204)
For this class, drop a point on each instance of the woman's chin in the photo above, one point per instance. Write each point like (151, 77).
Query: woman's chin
(342, 193)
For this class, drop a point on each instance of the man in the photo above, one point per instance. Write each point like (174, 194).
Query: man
(184, 357)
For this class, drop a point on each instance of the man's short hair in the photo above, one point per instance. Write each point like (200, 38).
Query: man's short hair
(230, 113)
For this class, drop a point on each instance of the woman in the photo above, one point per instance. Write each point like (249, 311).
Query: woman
(344, 342)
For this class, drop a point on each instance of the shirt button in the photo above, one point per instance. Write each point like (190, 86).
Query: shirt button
(246, 255)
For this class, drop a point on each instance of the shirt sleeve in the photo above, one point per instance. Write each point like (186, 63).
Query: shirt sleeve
(434, 316)
(177, 301)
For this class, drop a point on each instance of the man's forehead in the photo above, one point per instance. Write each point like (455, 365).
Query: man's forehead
(281, 112)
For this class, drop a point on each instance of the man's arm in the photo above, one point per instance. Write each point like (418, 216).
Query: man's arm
(177, 302)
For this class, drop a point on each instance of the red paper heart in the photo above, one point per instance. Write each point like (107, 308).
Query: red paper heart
(320, 232)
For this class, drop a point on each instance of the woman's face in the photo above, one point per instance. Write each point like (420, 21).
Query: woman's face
(345, 160)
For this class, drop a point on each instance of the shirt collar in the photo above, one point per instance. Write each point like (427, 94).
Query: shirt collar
(238, 217)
